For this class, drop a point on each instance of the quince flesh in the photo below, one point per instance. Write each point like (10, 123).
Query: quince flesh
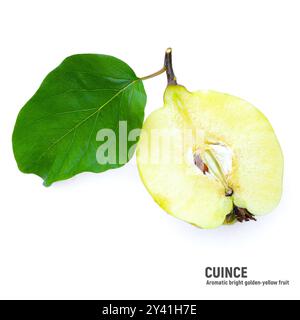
(187, 177)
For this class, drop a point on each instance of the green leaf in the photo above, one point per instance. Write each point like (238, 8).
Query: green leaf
(55, 135)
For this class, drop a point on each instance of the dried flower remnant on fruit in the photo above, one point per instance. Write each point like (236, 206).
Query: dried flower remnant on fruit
(239, 214)
(243, 214)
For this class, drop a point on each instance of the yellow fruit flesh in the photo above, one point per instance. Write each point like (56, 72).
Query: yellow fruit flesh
(178, 186)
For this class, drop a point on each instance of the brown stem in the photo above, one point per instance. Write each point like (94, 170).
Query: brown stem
(169, 67)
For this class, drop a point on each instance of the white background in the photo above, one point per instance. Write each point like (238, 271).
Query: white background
(102, 236)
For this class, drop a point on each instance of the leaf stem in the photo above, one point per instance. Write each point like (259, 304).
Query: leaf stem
(152, 75)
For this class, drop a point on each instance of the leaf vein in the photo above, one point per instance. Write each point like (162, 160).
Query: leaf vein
(86, 119)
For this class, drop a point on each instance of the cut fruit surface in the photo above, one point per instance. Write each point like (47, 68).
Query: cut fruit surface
(191, 123)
